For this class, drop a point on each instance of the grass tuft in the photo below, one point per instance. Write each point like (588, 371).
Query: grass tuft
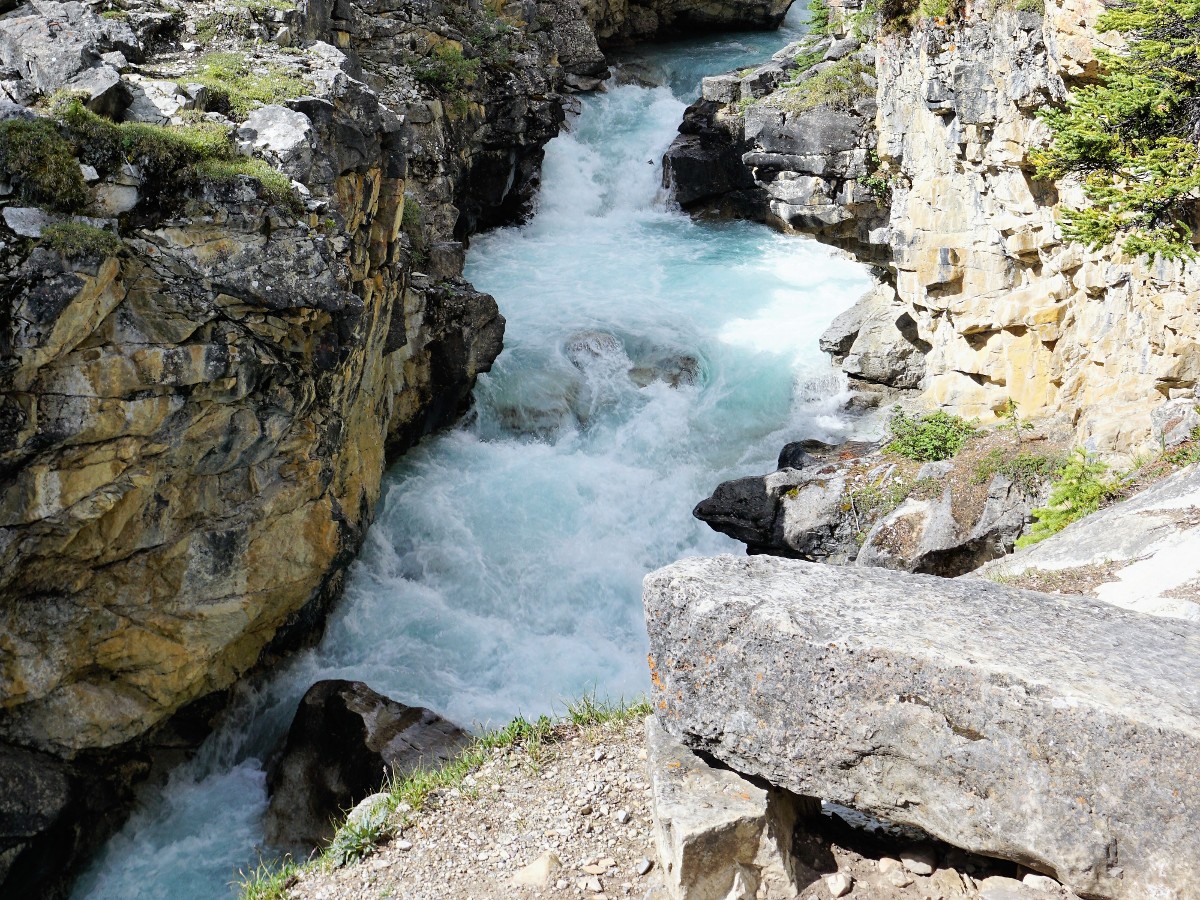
(40, 164)
(239, 86)
(76, 240)
(408, 794)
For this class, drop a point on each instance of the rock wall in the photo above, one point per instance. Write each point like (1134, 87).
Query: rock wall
(1001, 307)
(193, 429)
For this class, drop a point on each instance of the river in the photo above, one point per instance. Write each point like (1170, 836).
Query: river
(503, 572)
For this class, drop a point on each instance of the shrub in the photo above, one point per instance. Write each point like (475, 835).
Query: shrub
(1132, 136)
(76, 239)
(446, 69)
(1080, 490)
(41, 165)
(929, 438)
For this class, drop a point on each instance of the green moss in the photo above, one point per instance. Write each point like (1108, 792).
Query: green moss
(839, 85)
(238, 85)
(172, 158)
(75, 239)
(273, 184)
(39, 162)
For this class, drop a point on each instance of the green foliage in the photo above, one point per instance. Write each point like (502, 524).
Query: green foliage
(172, 158)
(1033, 6)
(238, 17)
(928, 438)
(1132, 137)
(446, 69)
(1028, 471)
(1080, 490)
(273, 184)
(238, 85)
(40, 164)
(818, 22)
(78, 240)
(839, 85)
(877, 180)
(268, 881)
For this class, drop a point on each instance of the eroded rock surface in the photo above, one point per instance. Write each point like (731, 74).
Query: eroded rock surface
(926, 701)
(344, 741)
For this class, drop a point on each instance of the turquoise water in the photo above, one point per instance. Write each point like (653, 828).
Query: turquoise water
(503, 573)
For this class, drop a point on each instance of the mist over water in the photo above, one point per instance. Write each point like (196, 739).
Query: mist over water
(647, 358)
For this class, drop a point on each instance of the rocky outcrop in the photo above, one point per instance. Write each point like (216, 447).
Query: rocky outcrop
(926, 702)
(1141, 554)
(856, 504)
(994, 303)
(624, 21)
(717, 834)
(344, 741)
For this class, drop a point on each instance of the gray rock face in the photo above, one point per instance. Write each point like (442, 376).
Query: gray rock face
(50, 43)
(1145, 551)
(342, 741)
(943, 705)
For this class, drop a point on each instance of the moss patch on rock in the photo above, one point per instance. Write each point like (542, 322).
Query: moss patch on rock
(40, 164)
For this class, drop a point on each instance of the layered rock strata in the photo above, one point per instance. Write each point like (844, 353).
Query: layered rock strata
(197, 405)
(978, 287)
(924, 701)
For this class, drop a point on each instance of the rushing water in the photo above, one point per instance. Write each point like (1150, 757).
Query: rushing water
(503, 573)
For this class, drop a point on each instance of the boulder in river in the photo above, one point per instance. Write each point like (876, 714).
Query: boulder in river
(343, 742)
(1053, 731)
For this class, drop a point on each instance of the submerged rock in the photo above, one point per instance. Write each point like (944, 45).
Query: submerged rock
(344, 741)
(927, 702)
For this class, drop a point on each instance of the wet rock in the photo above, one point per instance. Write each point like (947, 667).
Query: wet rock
(923, 701)
(344, 740)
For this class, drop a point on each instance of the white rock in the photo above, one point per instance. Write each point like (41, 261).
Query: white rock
(839, 884)
(538, 872)
(1041, 883)
(919, 862)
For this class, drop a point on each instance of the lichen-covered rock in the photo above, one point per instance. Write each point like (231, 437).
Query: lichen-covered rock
(343, 743)
(933, 703)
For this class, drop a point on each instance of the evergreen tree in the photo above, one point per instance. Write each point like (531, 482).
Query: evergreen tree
(1133, 137)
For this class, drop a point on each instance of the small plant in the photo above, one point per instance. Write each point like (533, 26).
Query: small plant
(38, 161)
(78, 240)
(876, 180)
(1010, 420)
(928, 438)
(268, 881)
(1028, 471)
(239, 85)
(1081, 489)
(446, 69)
(359, 835)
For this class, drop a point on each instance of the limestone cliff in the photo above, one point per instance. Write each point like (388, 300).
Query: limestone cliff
(225, 317)
(979, 295)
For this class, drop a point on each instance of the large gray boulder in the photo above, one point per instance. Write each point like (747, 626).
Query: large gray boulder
(1054, 731)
